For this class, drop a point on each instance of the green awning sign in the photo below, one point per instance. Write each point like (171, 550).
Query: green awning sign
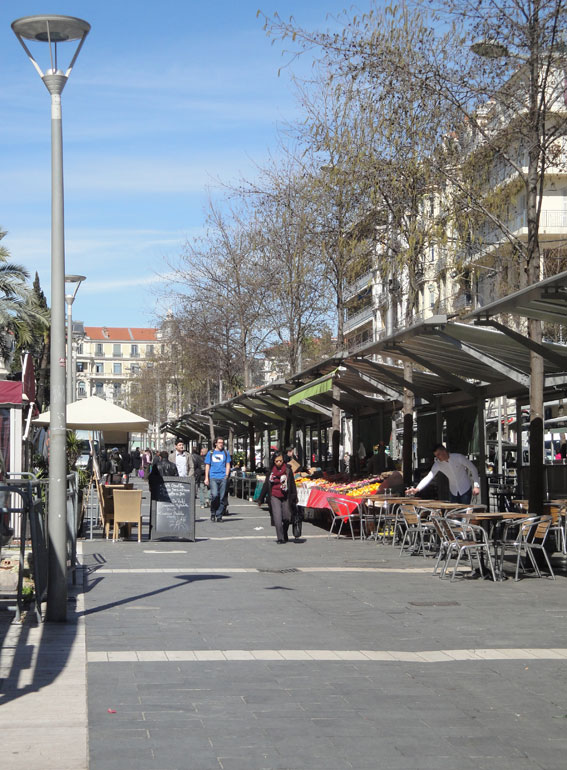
(311, 389)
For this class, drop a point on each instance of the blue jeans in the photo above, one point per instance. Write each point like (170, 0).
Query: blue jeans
(218, 489)
(464, 498)
(203, 493)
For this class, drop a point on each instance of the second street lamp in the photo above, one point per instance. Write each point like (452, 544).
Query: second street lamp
(55, 30)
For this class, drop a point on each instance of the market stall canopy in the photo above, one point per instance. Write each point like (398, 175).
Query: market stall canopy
(476, 362)
(97, 414)
(546, 301)
(264, 407)
(345, 386)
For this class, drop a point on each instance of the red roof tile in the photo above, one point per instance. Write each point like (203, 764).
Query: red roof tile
(121, 334)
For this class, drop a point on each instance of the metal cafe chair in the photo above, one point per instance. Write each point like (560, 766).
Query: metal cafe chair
(558, 525)
(341, 513)
(418, 533)
(531, 538)
(464, 540)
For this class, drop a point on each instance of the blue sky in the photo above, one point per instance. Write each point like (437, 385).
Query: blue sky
(165, 99)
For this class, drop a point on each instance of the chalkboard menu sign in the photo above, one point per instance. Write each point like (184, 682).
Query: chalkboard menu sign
(173, 509)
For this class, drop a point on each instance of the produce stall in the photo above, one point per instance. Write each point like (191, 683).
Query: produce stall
(313, 493)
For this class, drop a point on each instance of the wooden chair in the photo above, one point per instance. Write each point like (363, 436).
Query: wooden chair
(106, 502)
(127, 510)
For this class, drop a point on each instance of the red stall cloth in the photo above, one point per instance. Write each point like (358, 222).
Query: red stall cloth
(318, 499)
(10, 392)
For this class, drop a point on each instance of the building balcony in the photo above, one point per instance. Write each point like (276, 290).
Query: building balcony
(440, 265)
(358, 319)
(462, 302)
(552, 222)
(361, 283)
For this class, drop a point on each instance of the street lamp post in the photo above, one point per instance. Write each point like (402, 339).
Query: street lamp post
(54, 30)
(70, 281)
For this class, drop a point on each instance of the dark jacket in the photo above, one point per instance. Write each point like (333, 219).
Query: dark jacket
(160, 468)
(291, 497)
(199, 467)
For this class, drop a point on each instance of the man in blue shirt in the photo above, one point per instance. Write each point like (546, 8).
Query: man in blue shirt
(217, 471)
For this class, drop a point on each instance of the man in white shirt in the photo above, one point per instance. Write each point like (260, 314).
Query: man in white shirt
(458, 470)
(183, 460)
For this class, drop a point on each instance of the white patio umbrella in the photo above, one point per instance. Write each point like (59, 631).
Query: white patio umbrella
(97, 414)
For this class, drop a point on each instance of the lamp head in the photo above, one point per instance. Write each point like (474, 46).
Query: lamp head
(75, 280)
(52, 29)
(489, 49)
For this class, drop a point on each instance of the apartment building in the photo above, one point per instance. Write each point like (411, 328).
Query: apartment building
(469, 269)
(108, 358)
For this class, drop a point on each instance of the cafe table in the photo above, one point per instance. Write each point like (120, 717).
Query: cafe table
(383, 503)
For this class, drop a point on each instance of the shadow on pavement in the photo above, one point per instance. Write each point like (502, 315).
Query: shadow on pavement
(186, 580)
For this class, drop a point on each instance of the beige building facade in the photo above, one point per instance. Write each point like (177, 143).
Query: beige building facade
(109, 358)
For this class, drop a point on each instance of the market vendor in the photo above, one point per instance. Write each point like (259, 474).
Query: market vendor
(394, 481)
(380, 461)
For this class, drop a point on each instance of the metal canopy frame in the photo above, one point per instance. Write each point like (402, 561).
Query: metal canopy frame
(546, 301)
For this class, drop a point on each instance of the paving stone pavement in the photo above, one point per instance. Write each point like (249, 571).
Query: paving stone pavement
(236, 652)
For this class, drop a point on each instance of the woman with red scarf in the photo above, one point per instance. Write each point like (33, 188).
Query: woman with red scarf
(281, 493)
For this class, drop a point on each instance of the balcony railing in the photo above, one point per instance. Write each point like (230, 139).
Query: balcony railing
(363, 316)
(359, 285)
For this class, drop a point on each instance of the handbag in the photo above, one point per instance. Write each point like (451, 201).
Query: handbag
(141, 473)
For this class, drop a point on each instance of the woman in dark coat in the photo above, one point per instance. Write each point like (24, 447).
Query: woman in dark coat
(280, 491)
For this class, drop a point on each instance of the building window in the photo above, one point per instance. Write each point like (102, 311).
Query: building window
(80, 366)
(117, 368)
(135, 368)
(80, 349)
(99, 389)
(99, 367)
(149, 350)
(117, 388)
(117, 350)
(431, 297)
(99, 349)
(134, 351)
(82, 390)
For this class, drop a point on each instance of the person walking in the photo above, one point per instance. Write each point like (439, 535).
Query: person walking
(217, 471)
(146, 462)
(199, 465)
(458, 469)
(136, 461)
(127, 466)
(281, 493)
(183, 460)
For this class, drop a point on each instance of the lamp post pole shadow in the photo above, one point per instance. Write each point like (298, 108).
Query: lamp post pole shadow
(54, 30)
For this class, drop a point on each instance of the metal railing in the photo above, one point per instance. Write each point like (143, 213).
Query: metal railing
(367, 314)
(362, 282)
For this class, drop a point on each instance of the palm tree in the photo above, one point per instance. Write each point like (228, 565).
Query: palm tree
(19, 310)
